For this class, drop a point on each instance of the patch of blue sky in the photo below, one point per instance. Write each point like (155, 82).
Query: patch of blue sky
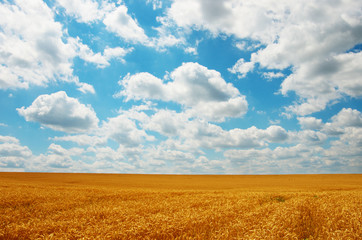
(220, 52)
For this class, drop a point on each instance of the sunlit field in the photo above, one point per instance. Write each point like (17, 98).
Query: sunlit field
(110, 206)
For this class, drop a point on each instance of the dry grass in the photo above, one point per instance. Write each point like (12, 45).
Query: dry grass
(101, 206)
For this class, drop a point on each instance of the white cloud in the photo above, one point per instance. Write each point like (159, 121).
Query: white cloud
(310, 137)
(167, 37)
(191, 50)
(60, 112)
(271, 75)
(92, 159)
(353, 137)
(276, 134)
(106, 153)
(156, 4)
(14, 150)
(117, 53)
(348, 117)
(119, 22)
(142, 86)
(168, 123)
(86, 11)
(8, 139)
(124, 131)
(83, 139)
(245, 150)
(59, 150)
(12, 154)
(10, 80)
(241, 68)
(203, 92)
(219, 110)
(310, 39)
(306, 106)
(193, 83)
(243, 19)
(294, 152)
(195, 134)
(85, 87)
(346, 151)
(159, 156)
(111, 167)
(52, 163)
(31, 55)
(322, 81)
(310, 123)
(249, 138)
(101, 60)
(297, 159)
(247, 46)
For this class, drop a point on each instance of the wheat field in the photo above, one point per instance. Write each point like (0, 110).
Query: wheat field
(121, 206)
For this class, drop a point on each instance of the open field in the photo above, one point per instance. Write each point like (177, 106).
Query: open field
(109, 206)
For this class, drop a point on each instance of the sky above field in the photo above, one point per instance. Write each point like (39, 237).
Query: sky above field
(181, 86)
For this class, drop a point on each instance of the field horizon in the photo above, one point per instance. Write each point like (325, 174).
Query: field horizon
(167, 206)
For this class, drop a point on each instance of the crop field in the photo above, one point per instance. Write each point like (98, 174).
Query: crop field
(121, 206)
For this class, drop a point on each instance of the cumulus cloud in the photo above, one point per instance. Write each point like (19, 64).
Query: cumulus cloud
(196, 134)
(310, 123)
(346, 119)
(124, 131)
(123, 25)
(168, 123)
(166, 39)
(14, 150)
(115, 18)
(318, 38)
(8, 139)
(82, 139)
(328, 80)
(310, 137)
(241, 68)
(31, 55)
(276, 134)
(101, 60)
(187, 139)
(160, 156)
(52, 163)
(268, 157)
(60, 112)
(142, 86)
(271, 75)
(346, 151)
(12, 154)
(305, 147)
(91, 159)
(243, 19)
(86, 11)
(59, 150)
(85, 87)
(106, 153)
(203, 92)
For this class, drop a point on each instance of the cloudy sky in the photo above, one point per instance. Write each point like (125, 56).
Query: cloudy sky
(181, 86)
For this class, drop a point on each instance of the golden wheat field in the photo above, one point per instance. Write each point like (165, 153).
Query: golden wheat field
(112, 206)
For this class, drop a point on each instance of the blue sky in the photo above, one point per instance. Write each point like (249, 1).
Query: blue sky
(181, 86)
